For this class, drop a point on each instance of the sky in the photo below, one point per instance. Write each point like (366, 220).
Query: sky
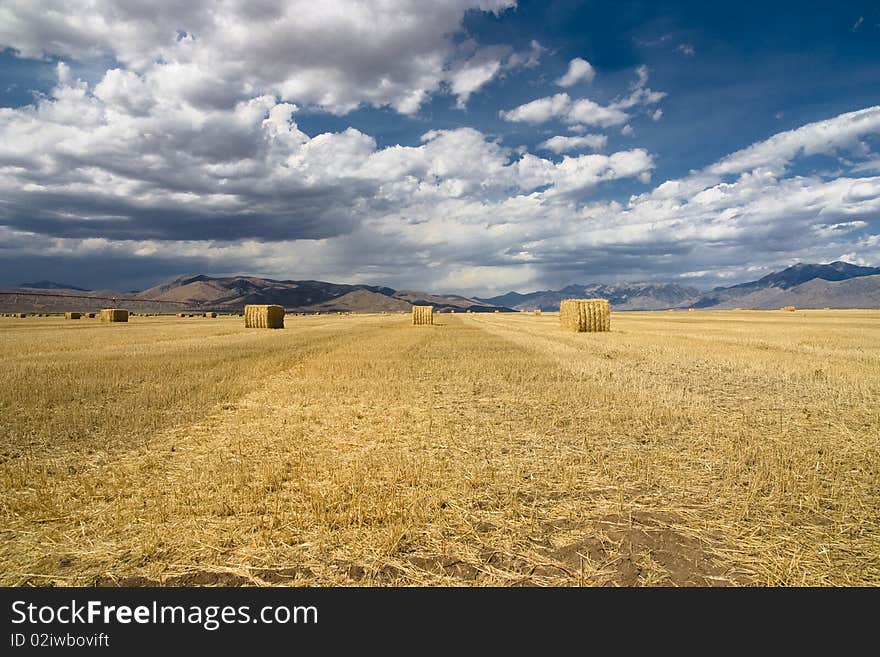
(462, 146)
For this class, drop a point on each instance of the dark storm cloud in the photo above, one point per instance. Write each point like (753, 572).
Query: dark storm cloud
(315, 214)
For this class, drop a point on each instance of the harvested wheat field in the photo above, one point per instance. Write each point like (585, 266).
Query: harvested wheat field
(700, 448)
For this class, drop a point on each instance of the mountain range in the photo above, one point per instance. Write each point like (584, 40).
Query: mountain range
(834, 285)
(623, 296)
(51, 285)
(231, 294)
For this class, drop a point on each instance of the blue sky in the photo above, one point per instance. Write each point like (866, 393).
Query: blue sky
(471, 146)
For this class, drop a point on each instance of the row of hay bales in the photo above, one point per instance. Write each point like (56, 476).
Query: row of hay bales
(579, 315)
(107, 314)
(122, 315)
(84, 315)
(67, 315)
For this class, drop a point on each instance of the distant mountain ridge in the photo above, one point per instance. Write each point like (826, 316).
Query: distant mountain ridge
(51, 285)
(303, 296)
(806, 285)
(786, 287)
(802, 273)
(623, 296)
(232, 293)
(833, 285)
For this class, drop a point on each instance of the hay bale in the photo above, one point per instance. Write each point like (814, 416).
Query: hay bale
(263, 316)
(90, 315)
(114, 315)
(72, 315)
(422, 315)
(789, 309)
(538, 313)
(20, 315)
(211, 315)
(585, 315)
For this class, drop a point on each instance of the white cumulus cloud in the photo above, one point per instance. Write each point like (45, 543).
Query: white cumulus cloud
(562, 144)
(584, 111)
(579, 70)
(335, 55)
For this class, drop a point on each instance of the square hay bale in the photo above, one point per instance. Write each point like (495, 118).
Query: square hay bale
(585, 315)
(114, 315)
(211, 315)
(72, 315)
(20, 315)
(422, 315)
(538, 313)
(263, 316)
(90, 315)
(789, 309)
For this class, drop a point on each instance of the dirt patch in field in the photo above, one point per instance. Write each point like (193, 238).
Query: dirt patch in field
(448, 566)
(196, 578)
(376, 576)
(132, 581)
(285, 575)
(208, 578)
(644, 548)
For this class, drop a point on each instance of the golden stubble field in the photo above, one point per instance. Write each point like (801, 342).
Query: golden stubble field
(700, 448)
